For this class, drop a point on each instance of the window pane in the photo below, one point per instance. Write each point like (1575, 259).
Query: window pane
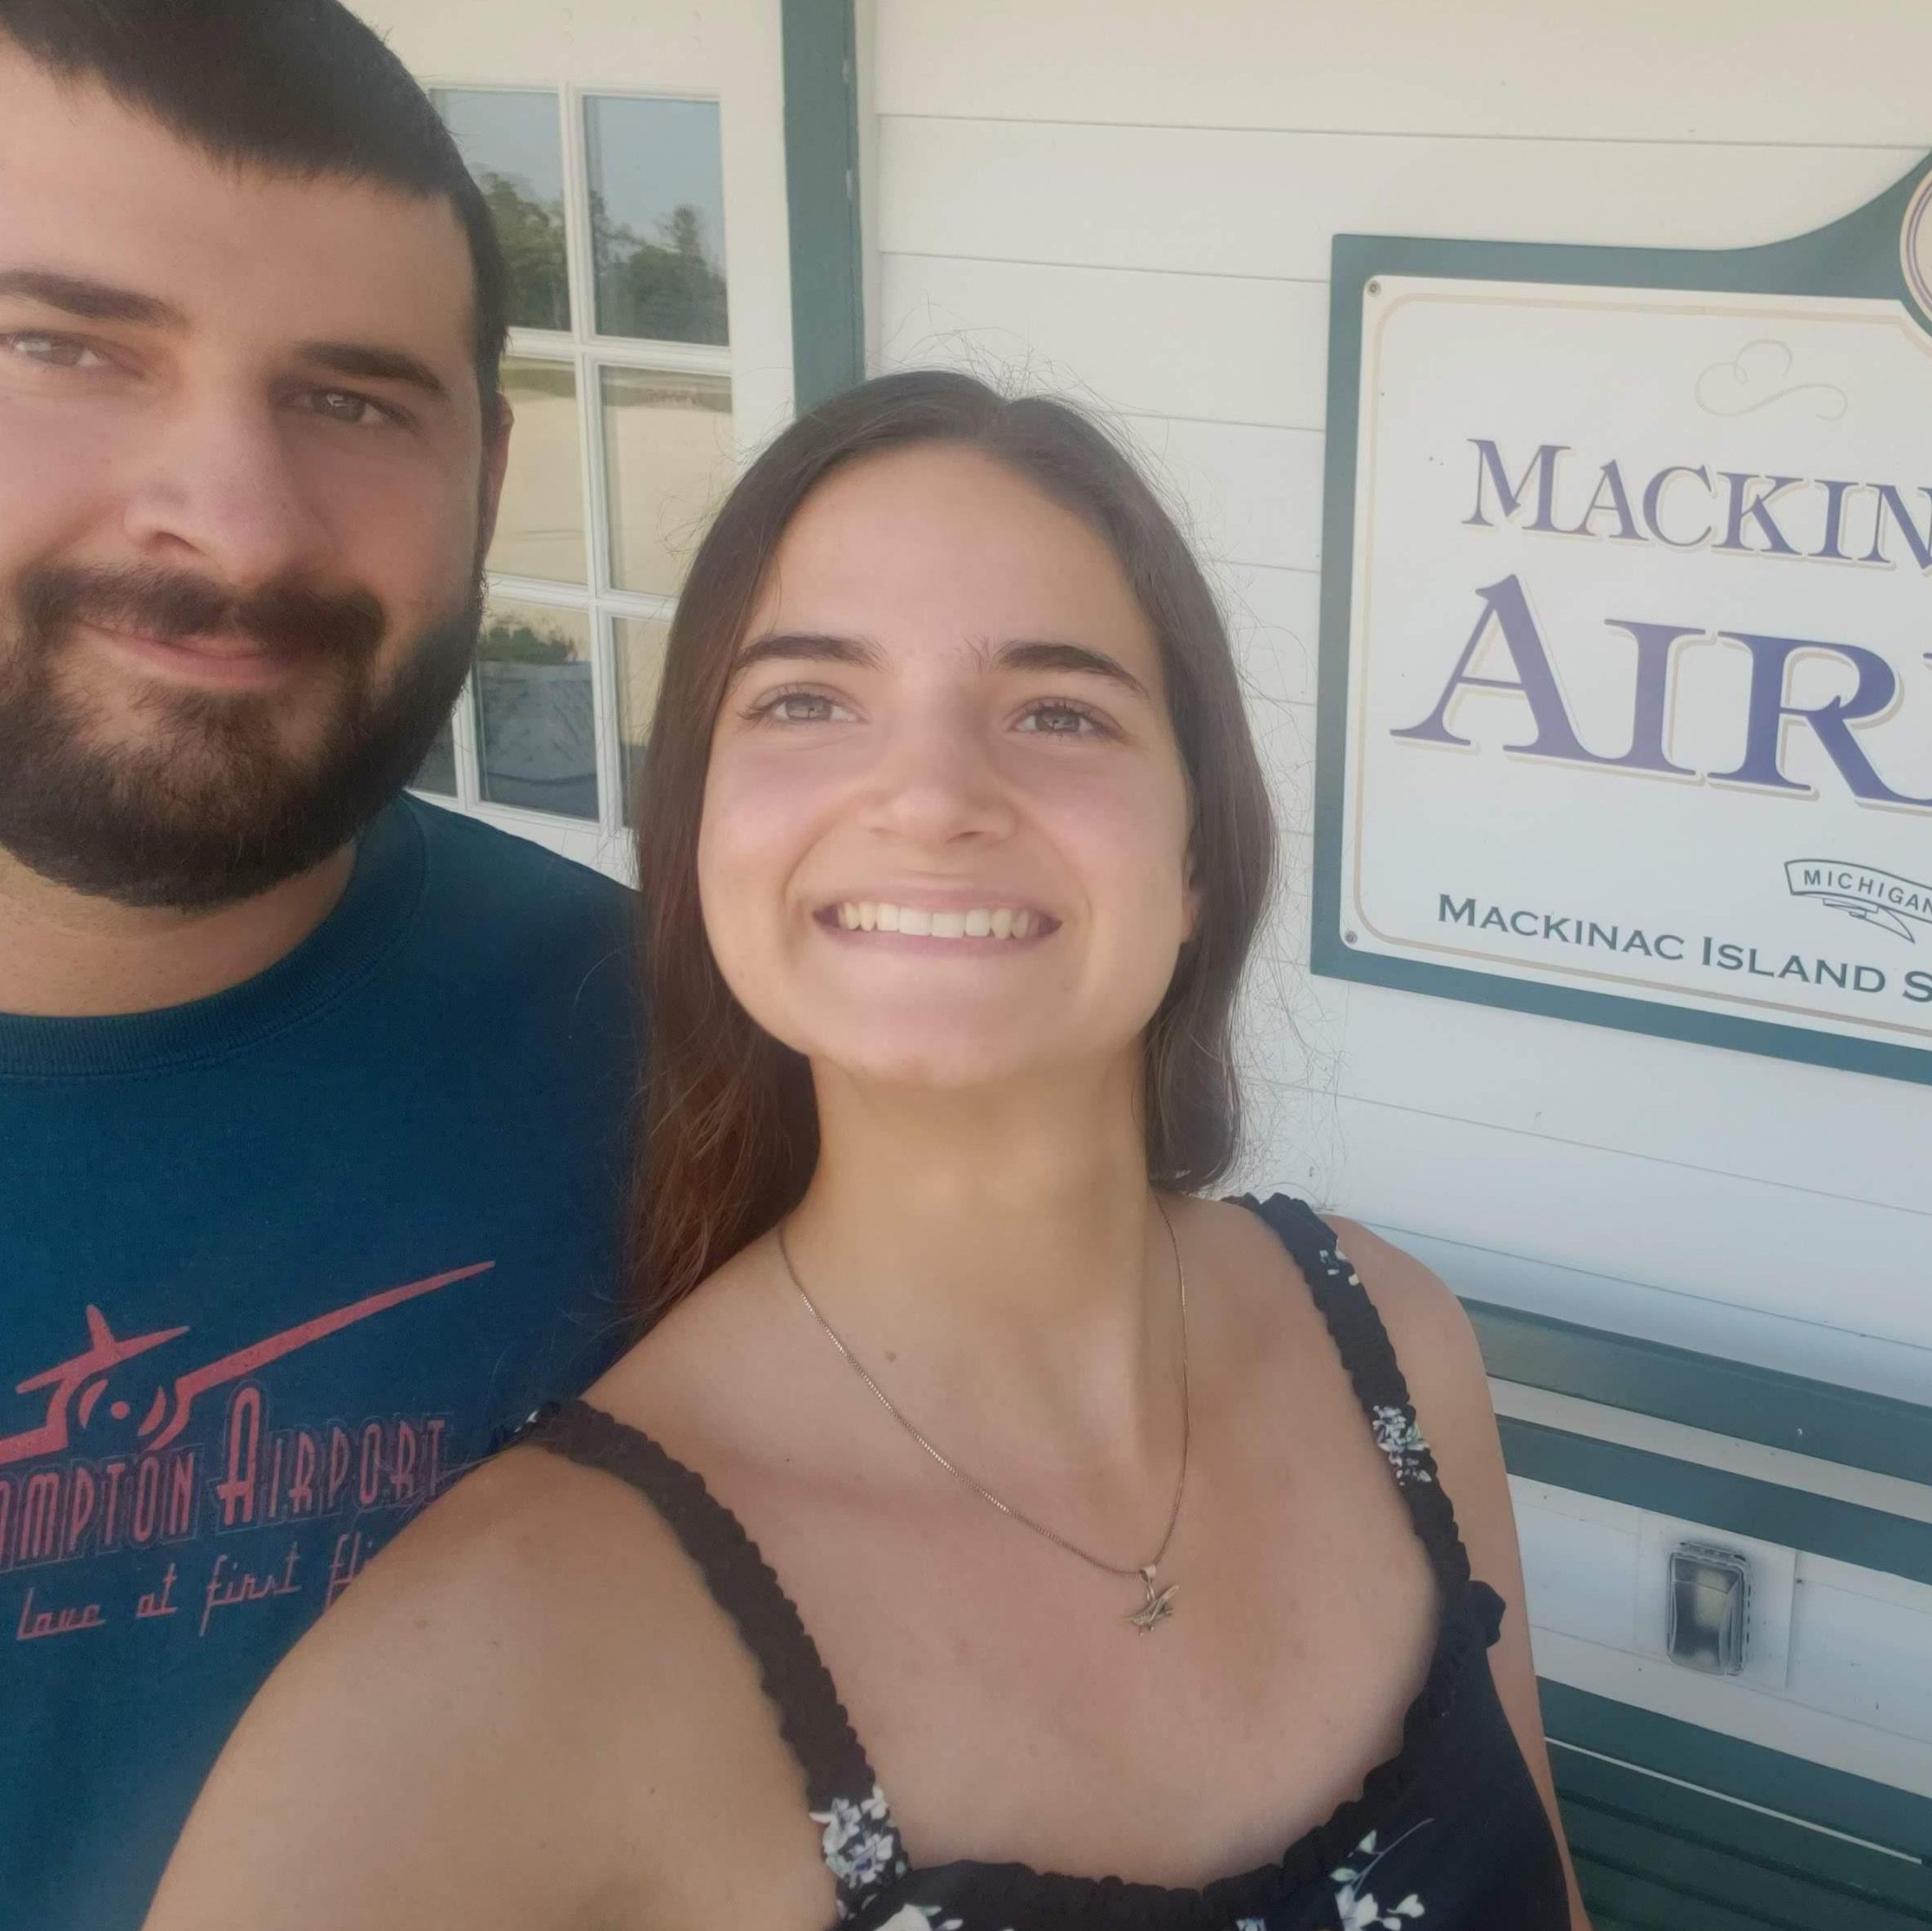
(667, 463)
(657, 181)
(513, 143)
(438, 772)
(640, 642)
(536, 711)
(539, 531)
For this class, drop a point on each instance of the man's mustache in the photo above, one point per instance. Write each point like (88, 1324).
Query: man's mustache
(288, 618)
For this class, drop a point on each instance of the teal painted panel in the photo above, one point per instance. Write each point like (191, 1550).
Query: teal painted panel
(1629, 1897)
(1796, 1517)
(828, 342)
(1876, 1813)
(1713, 1874)
(1706, 1823)
(1752, 1404)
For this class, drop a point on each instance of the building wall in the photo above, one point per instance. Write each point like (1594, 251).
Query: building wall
(1132, 202)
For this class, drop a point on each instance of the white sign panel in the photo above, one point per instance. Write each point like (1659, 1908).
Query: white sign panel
(1638, 667)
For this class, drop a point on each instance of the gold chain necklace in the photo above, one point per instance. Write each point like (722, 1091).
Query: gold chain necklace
(1158, 1603)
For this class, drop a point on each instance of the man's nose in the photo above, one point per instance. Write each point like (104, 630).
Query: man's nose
(219, 487)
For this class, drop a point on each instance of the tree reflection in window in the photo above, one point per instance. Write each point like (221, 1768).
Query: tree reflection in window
(513, 141)
(663, 290)
(656, 207)
(532, 234)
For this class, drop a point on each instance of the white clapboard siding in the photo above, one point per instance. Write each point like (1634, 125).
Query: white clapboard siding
(1820, 1347)
(1164, 199)
(1274, 619)
(1781, 71)
(1813, 1129)
(1219, 349)
(1248, 496)
(1751, 1242)
(1134, 205)
(1246, 492)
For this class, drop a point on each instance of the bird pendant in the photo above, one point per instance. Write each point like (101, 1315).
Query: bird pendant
(1158, 1607)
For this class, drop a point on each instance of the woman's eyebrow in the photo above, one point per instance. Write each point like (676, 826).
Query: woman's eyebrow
(1030, 654)
(807, 646)
(1025, 653)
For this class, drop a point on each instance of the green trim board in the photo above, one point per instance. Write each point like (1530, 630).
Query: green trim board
(1847, 1426)
(1662, 1485)
(1674, 1827)
(1859, 256)
(1783, 1786)
(1707, 1850)
(821, 64)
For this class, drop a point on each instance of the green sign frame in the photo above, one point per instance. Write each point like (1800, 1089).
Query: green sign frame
(1861, 255)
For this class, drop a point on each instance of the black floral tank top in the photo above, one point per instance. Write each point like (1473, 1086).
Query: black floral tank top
(1448, 1834)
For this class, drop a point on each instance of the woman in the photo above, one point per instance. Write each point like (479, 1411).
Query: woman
(1105, 1504)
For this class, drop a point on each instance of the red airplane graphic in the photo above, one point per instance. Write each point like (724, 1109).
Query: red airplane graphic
(87, 1375)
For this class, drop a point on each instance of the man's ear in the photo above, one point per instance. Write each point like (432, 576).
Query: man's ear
(496, 464)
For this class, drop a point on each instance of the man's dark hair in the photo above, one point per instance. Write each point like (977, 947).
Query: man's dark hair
(300, 87)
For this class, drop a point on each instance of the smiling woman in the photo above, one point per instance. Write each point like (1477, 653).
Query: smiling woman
(922, 449)
(1094, 1491)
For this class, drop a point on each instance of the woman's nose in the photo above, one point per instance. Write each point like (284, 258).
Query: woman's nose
(938, 782)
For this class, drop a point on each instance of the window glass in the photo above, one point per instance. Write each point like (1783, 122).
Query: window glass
(640, 642)
(536, 723)
(539, 530)
(657, 187)
(438, 772)
(513, 143)
(668, 461)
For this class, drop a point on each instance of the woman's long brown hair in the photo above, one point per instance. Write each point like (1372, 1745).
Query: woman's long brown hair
(731, 1130)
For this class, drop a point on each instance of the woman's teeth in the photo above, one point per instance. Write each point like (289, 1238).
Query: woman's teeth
(1003, 922)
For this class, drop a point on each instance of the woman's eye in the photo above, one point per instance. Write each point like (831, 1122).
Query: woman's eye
(797, 708)
(1060, 721)
(53, 352)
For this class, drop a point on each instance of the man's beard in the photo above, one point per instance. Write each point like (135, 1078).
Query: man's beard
(210, 807)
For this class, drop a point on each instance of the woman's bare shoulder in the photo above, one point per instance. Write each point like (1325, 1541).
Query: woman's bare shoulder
(1427, 1326)
(479, 1689)
(526, 1548)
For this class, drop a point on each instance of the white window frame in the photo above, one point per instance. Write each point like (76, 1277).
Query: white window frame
(605, 843)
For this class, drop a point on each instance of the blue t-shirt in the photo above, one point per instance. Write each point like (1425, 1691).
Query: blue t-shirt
(274, 1267)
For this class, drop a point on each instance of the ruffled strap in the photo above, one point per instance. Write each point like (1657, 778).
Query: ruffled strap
(1363, 1344)
(861, 1843)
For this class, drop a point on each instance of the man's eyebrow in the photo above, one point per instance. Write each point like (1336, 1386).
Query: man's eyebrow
(91, 301)
(100, 301)
(370, 364)
(808, 646)
(1028, 654)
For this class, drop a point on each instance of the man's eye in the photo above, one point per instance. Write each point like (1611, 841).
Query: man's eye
(1060, 721)
(344, 405)
(52, 352)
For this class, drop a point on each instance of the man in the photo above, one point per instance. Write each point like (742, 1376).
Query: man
(313, 1097)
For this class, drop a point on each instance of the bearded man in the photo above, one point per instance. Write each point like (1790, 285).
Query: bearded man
(313, 1097)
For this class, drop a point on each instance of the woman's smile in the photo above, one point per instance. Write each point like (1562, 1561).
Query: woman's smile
(993, 925)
